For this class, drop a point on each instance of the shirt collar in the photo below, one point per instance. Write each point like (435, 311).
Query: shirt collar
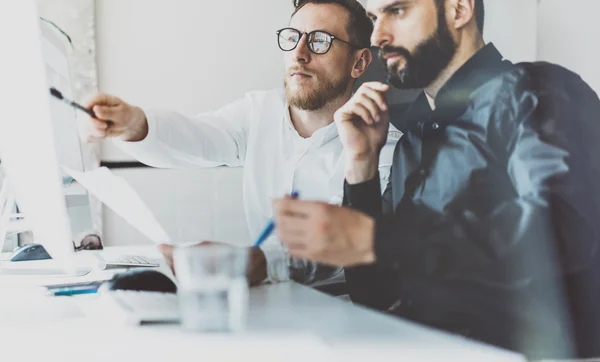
(321, 136)
(430, 100)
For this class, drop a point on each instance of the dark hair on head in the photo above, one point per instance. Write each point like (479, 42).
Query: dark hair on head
(479, 13)
(359, 27)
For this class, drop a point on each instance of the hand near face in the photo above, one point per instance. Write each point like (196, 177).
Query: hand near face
(325, 233)
(363, 124)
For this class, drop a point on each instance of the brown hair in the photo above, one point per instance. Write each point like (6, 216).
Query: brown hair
(359, 27)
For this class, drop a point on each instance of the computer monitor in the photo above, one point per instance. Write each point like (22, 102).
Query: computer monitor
(27, 142)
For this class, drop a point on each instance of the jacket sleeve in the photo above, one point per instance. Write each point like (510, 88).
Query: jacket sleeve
(207, 140)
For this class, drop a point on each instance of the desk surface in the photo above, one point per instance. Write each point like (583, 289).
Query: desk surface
(287, 322)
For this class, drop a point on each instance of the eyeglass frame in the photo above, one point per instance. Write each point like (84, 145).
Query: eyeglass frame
(333, 37)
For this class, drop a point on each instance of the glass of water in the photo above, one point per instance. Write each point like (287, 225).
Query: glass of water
(213, 287)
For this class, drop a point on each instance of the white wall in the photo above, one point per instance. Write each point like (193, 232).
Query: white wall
(569, 36)
(512, 26)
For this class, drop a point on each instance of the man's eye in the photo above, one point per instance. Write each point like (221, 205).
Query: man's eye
(398, 11)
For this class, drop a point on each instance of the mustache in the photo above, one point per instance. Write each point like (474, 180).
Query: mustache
(388, 49)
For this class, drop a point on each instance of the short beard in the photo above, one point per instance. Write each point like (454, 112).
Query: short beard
(428, 60)
(326, 91)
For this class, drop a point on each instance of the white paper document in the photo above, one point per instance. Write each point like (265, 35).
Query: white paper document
(119, 196)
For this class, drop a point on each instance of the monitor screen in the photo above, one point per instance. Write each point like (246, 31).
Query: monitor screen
(64, 119)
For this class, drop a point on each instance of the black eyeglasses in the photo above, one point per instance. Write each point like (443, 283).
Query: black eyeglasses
(319, 42)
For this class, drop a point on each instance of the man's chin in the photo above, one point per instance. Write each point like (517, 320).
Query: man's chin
(302, 93)
(397, 67)
(400, 80)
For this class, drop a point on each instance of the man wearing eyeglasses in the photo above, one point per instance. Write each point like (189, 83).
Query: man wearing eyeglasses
(285, 139)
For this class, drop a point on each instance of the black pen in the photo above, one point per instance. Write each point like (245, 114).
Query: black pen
(58, 95)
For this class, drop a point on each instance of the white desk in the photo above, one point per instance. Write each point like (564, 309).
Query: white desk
(286, 322)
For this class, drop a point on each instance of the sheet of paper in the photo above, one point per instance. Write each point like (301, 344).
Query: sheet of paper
(120, 197)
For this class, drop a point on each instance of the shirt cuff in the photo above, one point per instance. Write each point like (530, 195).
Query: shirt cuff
(277, 264)
(365, 197)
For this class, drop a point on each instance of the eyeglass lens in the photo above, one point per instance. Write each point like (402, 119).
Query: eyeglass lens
(318, 42)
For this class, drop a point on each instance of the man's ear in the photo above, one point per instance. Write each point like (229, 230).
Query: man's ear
(362, 62)
(462, 13)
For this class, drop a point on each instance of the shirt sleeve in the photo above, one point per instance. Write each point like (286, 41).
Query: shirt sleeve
(386, 157)
(277, 261)
(208, 140)
(282, 267)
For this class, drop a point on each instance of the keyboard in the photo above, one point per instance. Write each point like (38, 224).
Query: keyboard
(126, 261)
(145, 307)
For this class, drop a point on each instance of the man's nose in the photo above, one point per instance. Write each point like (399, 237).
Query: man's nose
(301, 53)
(382, 35)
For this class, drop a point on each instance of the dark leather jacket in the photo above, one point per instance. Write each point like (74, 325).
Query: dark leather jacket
(490, 225)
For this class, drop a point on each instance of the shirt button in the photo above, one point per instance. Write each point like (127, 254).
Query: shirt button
(435, 126)
(422, 173)
(396, 266)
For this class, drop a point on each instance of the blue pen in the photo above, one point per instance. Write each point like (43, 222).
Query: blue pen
(74, 291)
(270, 227)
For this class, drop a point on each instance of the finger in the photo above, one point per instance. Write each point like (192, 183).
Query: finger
(98, 134)
(206, 242)
(108, 112)
(378, 86)
(300, 208)
(372, 107)
(286, 207)
(102, 99)
(362, 112)
(376, 96)
(93, 139)
(166, 249)
(292, 225)
(98, 124)
(167, 252)
(292, 242)
(293, 196)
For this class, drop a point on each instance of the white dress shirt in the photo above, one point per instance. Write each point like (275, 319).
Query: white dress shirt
(256, 133)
